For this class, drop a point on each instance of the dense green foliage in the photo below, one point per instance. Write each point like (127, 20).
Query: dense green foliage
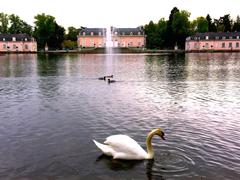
(167, 34)
(12, 24)
(45, 31)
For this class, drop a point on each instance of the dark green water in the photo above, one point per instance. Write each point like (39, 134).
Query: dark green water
(52, 106)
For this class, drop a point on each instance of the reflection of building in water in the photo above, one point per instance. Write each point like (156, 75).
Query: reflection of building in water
(213, 41)
(120, 37)
(212, 66)
(17, 43)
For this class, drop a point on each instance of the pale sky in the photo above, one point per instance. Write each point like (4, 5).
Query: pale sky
(121, 13)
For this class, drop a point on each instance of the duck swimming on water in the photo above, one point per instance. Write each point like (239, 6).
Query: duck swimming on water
(104, 77)
(111, 81)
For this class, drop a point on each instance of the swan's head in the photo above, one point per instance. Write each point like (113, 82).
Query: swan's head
(158, 132)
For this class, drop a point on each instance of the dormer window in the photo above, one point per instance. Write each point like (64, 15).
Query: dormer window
(13, 39)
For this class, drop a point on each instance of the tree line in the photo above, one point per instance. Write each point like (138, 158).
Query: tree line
(46, 30)
(165, 34)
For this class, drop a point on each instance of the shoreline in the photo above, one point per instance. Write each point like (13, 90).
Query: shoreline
(121, 51)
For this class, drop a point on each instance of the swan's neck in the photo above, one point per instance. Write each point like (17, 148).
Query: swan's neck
(149, 145)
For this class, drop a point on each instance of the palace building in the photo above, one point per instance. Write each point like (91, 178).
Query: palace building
(213, 41)
(118, 37)
(17, 43)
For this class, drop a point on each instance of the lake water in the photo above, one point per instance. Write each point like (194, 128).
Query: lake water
(52, 106)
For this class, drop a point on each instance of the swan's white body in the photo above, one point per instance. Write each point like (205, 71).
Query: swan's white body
(124, 147)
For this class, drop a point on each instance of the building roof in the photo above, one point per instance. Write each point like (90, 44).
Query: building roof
(118, 31)
(215, 35)
(18, 37)
(94, 31)
(128, 31)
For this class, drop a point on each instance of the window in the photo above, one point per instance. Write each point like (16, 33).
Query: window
(230, 45)
(223, 45)
(223, 37)
(25, 39)
(4, 46)
(99, 33)
(230, 37)
(13, 39)
(206, 45)
(139, 33)
(92, 43)
(131, 33)
(26, 46)
(123, 33)
(3, 39)
(91, 33)
(237, 37)
(195, 45)
(206, 37)
(217, 37)
(237, 44)
(115, 33)
(84, 33)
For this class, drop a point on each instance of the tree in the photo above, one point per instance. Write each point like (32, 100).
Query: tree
(161, 33)
(236, 25)
(17, 25)
(57, 38)
(3, 23)
(169, 32)
(211, 26)
(227, 23)
(68, 44)
(180, 27)
(151, 40)
(48, 31)
(72, 33)
(202, 25)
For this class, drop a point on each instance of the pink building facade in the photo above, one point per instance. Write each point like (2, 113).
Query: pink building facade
(120, 37)
(17, 43)
(210, 41)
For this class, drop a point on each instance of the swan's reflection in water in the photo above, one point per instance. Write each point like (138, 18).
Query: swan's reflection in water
(117, 165)
(125, 165)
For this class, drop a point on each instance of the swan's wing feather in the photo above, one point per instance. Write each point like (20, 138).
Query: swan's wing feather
(127, 146)
(106, 149)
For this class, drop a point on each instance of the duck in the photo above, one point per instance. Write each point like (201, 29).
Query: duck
(111, 81)
(124, 147)
(104, 77)
(111, 76)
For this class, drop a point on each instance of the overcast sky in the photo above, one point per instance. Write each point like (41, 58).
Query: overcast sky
(121, 13)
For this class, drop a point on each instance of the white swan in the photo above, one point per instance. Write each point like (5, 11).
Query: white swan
(124, 147)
